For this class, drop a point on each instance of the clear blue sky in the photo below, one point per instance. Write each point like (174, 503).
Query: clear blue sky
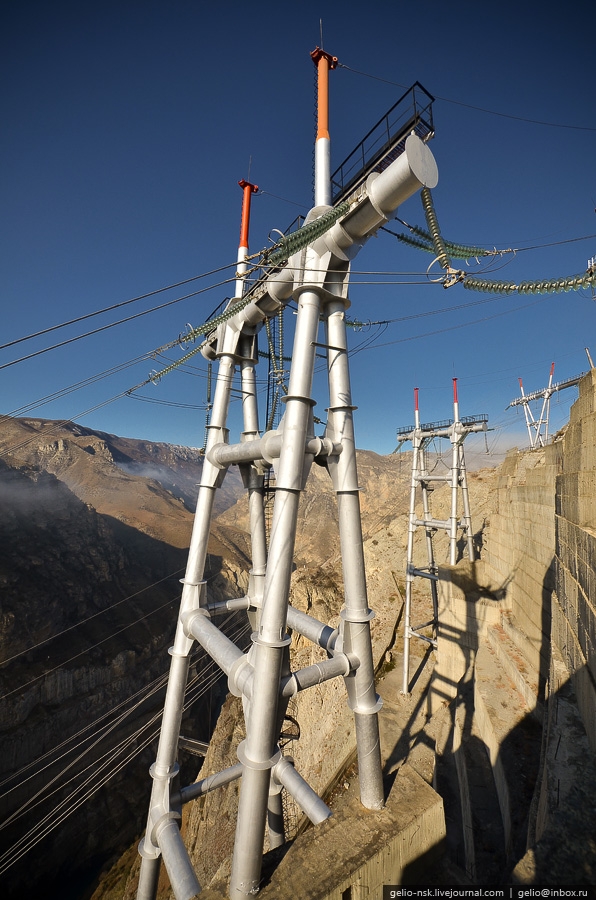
(126, 126)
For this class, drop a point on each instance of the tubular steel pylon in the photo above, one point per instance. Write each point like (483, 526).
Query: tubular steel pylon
(456, 430)
(316, 277)
(538, 428)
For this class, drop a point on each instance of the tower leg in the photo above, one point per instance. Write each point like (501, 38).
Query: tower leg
(259, 752)
(356, 615)
(255, 484)
(416, 450)
(466, 504)
(430, 550)
(454, 489)
(165, 766)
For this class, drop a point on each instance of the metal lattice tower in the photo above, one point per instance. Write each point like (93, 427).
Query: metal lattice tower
(316, 278)
(538, 428)
(421, 435)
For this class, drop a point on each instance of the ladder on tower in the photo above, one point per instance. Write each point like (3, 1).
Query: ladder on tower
(422, 484)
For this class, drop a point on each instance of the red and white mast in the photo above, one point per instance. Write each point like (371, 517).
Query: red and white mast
(324, 62)
(248, 190)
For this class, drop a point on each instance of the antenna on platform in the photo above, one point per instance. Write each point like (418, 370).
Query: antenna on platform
(456, 431)
(538, 428)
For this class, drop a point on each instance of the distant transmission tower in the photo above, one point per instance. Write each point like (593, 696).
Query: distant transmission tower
(538, 427)
(455, 430)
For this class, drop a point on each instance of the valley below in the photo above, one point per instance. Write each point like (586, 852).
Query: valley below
(93, 544)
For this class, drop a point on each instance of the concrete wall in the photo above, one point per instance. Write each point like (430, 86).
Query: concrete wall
(519, 547)
(540, 545)
(574, 602)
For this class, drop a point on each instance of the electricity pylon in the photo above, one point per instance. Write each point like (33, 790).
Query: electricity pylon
(421, 435)
(538, 428)
(316, 278)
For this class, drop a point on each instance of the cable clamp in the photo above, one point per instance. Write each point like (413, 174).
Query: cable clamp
(452, 277)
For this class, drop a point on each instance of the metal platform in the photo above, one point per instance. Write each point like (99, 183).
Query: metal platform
(385, 141)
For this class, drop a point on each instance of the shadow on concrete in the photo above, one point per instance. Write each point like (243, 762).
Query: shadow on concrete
(494, 794)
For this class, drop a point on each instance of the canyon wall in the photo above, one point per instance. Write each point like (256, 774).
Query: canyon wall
(93, 539)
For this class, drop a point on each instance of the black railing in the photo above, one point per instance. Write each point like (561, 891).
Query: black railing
(385, 141)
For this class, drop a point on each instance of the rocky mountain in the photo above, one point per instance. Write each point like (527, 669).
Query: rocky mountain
(93, 539)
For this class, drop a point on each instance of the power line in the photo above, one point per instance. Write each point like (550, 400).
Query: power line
(86, 650)
(146, 312)
(197, 687)
(114, 306)
(101, 612)
(491, 112)
(505, 312)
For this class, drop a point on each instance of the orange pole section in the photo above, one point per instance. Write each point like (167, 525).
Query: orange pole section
(416, 399)
(455, 390)
(324, 62)
(248, 190)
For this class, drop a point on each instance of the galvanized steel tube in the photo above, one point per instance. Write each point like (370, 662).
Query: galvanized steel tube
(356, 614)
(208, 784)
(261, 740)
(317, 632)
(182, 876)
(318, 673)
(148, 877)
(219, 647)
(307, 799)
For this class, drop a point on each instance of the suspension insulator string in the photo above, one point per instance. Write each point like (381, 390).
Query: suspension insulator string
(453, 275)
(209, 406)
(433, 227)
(550, 286)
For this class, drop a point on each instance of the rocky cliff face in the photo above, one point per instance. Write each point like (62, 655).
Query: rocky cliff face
(91, 552)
